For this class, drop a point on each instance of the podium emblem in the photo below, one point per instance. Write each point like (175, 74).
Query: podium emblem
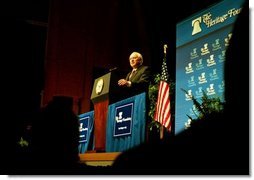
(99, 86)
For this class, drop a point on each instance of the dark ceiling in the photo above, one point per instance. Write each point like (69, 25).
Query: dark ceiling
(38, 9)
(25, 10)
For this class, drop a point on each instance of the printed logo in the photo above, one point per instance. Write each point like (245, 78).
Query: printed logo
(83, 129)
(210, 90)
(194, 53)
(199, 64)
(222, 56)
(216, 45)
(213, 75)
(123, 120)
(196, 28)
(227, 39)
(205, 50)
(202, 78)
(188, 96)
(188, 124)
(221, 87)
(189, 69)
(191, 82)
(199, 92)
(211, 61)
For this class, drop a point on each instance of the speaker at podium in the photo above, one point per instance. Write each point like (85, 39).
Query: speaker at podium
(105, 91)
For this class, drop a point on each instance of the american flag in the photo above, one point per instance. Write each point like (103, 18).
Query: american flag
(162, 113)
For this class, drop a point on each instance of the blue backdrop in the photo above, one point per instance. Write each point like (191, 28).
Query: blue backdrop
(202, 40)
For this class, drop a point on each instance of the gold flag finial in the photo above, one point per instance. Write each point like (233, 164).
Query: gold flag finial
(165, 48)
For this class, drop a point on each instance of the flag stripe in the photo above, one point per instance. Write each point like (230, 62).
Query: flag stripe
(166, 96)
(167, 117)
(165, 112)
(164, 103)
(160, 102)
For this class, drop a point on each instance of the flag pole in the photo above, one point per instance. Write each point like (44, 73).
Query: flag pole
(165, 55)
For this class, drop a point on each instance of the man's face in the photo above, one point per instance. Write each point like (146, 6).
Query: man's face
(134, 60)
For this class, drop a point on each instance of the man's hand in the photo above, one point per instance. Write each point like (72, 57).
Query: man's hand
(123, 82)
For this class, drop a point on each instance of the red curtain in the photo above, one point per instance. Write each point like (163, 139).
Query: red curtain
(83, 35)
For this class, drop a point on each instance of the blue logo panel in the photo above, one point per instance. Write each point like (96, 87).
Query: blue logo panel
(83, 129)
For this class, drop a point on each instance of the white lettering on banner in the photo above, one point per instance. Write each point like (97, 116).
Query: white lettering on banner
(209, 21)
(121, 128)
(122, 120)
(207, 18)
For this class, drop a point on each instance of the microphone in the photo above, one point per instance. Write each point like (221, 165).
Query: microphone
(112, 69)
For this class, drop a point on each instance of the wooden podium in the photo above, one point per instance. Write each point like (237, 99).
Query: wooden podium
(105, 91)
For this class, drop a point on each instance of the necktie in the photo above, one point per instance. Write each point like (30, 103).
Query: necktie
(132, 73)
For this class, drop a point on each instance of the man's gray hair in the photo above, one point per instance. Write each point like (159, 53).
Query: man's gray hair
(140, 57)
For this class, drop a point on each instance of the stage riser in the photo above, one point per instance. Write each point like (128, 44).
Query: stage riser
(99, 159)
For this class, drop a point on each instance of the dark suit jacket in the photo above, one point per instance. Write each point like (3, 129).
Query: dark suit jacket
(140, 80)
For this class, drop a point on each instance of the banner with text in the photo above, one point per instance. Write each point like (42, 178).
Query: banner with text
(202, 40)
(126, 123)
(86, 124)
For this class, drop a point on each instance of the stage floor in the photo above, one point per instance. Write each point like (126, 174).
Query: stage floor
(98, 158)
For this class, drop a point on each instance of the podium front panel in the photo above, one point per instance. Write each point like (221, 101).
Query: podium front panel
(125, 138)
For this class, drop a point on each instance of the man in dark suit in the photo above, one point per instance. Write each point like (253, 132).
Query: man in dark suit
(139, 78)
